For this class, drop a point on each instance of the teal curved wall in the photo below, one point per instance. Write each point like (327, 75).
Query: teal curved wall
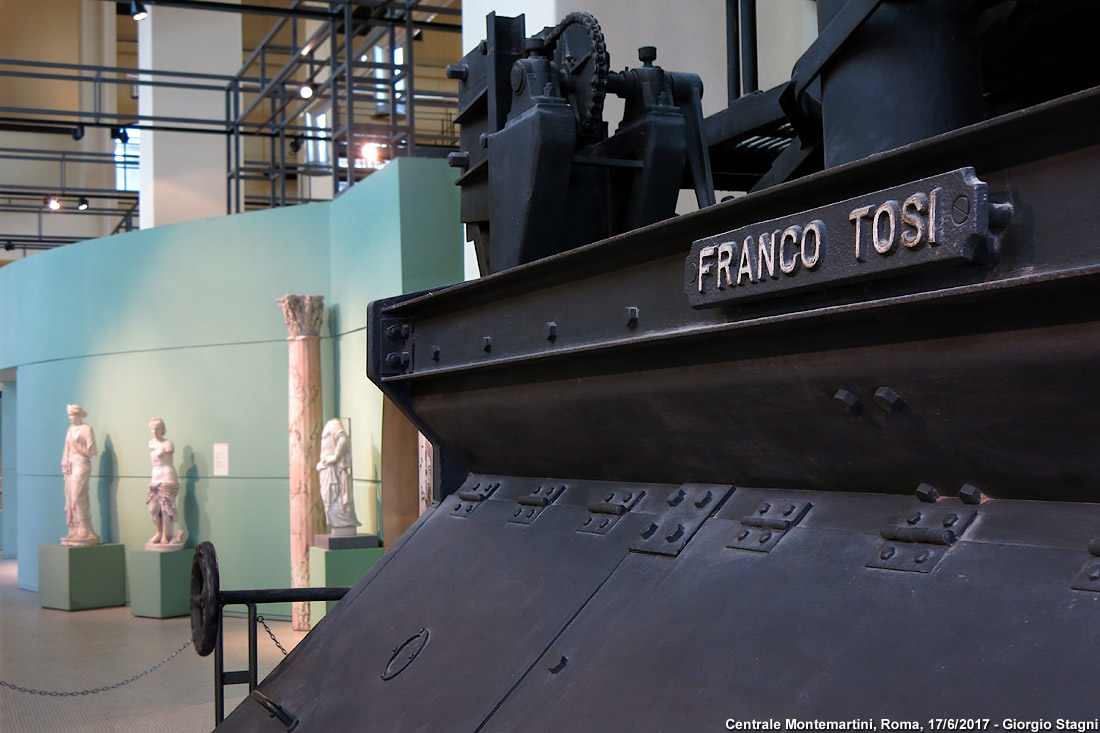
(180, 322)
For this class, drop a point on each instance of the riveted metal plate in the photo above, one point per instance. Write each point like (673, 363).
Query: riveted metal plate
(1089, 577)
(907, 556)
(686, 508)
(530, 506)
(762, 530)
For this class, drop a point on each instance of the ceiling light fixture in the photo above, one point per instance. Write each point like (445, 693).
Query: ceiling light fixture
(119, 133)
(305, 91)
(296, 144)
(82, 204)
(52, 203)
(138, 10)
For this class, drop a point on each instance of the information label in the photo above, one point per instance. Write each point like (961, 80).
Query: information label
(937, 221)
(221, 459)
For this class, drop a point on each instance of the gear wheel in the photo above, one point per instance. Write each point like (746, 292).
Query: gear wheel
(580, 52)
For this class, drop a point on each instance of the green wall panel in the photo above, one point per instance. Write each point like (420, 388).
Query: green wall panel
(180, 322)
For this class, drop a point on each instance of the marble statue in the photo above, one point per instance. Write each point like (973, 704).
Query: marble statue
(76, 466)
(334, 471)
(164, 486)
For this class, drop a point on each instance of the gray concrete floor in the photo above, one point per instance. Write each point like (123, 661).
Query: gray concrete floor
(59, 650)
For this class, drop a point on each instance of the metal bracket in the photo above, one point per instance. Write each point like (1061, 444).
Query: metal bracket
(531, 505)
(689, 506)
(395, 352)
(470, 498)
(605, 514)
(760, 532)
(918, 541)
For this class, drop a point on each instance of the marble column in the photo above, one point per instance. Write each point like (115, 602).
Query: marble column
(307, 515)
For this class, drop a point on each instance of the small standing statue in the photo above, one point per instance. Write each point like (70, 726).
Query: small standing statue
(164, 486)
(76, 465)
(335, 474)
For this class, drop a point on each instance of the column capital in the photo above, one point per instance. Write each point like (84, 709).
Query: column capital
(303, 314)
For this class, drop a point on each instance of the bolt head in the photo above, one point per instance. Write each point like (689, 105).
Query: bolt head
(927, 493)
(913, 518)
(970, 495)
(888, 399)
(1094, 572)
(887, 553)
(847, 401)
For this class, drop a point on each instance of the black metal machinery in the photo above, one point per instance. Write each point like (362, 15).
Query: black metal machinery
(826, 452)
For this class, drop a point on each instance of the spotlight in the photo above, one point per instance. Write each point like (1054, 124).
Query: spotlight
(78, 132)
(296, 144)
(305, 91)
(52, 203)
(371, 153)
(137, 10)
(8, 246)
(119, 133)
(82, 204)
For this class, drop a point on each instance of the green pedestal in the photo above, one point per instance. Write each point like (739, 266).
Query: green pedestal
(78, 578)
(335, 568)
(160, 583)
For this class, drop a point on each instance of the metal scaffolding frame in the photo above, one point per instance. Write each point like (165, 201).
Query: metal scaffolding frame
(261, 102)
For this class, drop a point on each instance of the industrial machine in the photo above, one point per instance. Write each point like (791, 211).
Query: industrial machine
(823, 455)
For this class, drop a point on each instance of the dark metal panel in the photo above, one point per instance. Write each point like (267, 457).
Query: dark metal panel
(469, 650)
(807, 632)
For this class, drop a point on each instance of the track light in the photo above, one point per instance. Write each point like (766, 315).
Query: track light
(296, 144)
(78, 132)
(8, 246)
(137, 10)
(305, 91)
(52, 203)
(119, 133)
(82, 204)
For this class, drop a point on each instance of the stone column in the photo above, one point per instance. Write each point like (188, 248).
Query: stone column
(307, 516)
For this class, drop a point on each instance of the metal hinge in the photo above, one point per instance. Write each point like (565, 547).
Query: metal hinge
(761, 531)
(688, 507)
(470, 498)
(605, 514)
(919, 540)
(531, 505)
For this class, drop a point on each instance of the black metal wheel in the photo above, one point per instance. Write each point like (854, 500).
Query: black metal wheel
(205, 607)
(581, 53)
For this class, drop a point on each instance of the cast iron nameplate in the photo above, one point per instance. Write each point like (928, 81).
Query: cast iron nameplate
(932, 222)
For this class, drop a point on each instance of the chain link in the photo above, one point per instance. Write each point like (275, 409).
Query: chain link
(271, 634)
(75, 693)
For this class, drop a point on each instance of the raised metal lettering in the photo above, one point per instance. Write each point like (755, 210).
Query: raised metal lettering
(725, 257)
(817, 228)
(911, 212)
(794, 233)
(889, 244)
(744, 267)
(765, 254)
(856, 217)
(704, 253)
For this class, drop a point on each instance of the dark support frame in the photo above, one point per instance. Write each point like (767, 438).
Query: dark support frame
(250, 599)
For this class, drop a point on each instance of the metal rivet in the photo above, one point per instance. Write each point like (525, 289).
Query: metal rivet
(551, 331)
(517, 512)
(648, 531)
(743, 535)
(950, 519)
(765, 537)
(676, 497)
(631, 316)
(923, 557)
(628, 497)
(458, 507)
(913, 518)
(587, 522)
(675, 534)
(703, 500)
(789, 510)
(487, 344)
(469, 507)
(887, 553)
(764, 508)
(530, 513)
(435, 353)
(608, 498)
(604, 523)
(1094, 572)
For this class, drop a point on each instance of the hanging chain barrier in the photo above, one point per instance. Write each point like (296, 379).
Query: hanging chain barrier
(271, 634)
(76, 693)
